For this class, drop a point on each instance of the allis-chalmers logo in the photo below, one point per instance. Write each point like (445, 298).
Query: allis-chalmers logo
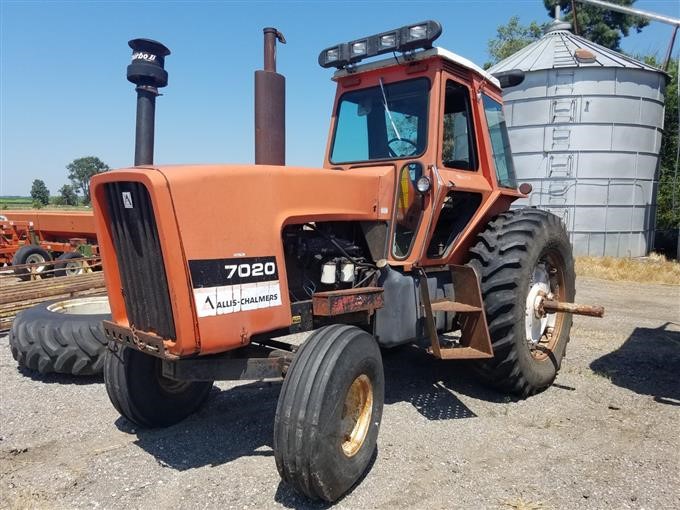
(127, 199)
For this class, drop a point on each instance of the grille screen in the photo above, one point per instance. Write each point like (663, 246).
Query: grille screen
(140, 260)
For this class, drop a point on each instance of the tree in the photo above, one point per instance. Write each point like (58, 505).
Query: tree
(511, 38)
(39, 193)
(668, 197)
(81, 170)
(599, 25)
(67, 195)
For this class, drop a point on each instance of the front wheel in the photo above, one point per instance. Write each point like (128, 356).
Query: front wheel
(139, 392)
(329, 412)
(523, 256)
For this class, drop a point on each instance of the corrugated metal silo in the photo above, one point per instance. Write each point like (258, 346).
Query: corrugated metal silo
(585, 129)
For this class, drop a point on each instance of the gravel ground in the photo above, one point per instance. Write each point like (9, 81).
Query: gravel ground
(604, 436)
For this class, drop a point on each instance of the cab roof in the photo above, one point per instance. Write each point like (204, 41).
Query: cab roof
(416, 57)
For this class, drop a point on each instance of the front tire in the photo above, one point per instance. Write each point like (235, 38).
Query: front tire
(521, 254)
(140, 393)
(329, 412)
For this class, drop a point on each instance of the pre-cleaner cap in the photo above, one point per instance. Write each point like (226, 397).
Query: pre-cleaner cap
(148, 61)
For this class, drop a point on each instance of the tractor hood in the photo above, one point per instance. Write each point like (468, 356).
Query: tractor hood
(211, 216)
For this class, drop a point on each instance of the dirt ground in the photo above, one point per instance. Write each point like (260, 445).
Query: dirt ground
(606, 435)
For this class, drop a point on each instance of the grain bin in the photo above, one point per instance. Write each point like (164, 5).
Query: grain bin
(585, 128)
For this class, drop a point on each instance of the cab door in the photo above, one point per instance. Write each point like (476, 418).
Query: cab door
(464, 186)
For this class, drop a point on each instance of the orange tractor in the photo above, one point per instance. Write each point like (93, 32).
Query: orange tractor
(404, 236)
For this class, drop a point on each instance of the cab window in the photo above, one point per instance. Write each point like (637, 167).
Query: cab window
(408, 210)
(500, 143)
(458, 144)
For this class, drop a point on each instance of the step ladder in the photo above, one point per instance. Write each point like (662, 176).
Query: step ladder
(475, 342)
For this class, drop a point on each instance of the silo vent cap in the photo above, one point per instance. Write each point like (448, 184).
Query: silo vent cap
(558, 26)
(584, 56)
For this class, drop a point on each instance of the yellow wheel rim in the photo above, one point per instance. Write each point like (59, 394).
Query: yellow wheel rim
(356, 415)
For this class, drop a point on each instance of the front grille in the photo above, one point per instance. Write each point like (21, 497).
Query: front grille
(140, 259)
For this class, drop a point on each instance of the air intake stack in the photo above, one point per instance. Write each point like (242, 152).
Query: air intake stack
(270, 106)
(147, 72)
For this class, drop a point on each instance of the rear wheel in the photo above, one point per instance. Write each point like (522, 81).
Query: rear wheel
(64, 336)
(69, 265)
(30, 254)
(139, 391)
(329, 412)
(523, 256)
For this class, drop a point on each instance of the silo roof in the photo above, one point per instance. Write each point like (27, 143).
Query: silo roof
(558, 49)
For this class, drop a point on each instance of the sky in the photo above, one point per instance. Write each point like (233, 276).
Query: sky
(63, 92)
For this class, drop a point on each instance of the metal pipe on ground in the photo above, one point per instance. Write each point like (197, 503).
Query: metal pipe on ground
(270, 105)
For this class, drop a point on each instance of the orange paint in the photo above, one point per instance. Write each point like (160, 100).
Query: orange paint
(238, 211)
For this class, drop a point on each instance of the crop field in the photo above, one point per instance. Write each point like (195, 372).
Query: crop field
(16, 203)
(23, 203)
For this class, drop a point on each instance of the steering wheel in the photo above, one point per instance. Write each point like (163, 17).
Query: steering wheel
(405, 140)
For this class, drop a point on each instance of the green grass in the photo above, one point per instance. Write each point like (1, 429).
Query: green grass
(16, 202)
(13, 203)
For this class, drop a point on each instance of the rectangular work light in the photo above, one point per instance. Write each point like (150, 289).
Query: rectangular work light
(406, 38)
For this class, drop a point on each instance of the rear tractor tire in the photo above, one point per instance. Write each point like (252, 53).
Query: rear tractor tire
(329, 412)
(139, 392)
(64, 336)
(522, 255)
(30, 254)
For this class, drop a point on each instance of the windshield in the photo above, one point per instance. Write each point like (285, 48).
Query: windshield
(384, 122)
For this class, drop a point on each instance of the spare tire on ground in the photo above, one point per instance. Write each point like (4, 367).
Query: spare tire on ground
(64, 336)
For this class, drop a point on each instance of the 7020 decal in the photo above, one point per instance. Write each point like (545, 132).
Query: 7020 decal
(233, 271)
(255, 269)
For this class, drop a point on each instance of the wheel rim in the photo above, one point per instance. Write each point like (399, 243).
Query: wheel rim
(73, 268)
(542, 330)
(82, 306)
(36, 258)
(356, 415)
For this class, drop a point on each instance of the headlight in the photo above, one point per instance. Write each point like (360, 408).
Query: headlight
(388, 41)
(407, 38)
(423, 184)
(332, 55)
(358, 49)
(417, 32)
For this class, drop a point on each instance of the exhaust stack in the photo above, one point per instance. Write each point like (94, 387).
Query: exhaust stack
(147, 72)
(270, 106)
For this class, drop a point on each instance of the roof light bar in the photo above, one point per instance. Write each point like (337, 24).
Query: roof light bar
(406, 38)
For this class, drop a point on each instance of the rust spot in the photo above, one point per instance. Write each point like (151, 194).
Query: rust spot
(339, 302)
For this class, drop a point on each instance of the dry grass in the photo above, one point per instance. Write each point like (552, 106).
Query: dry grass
(652, 269)
(523, 504)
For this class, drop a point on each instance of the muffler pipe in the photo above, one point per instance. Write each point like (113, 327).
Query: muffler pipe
(147, 72)
(270, 106)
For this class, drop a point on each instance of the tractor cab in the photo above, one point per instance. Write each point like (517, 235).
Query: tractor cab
(434, 117)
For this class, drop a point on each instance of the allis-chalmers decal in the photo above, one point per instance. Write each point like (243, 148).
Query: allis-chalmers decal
(224, 286)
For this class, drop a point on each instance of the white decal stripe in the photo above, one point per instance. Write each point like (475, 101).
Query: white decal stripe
(212, 301)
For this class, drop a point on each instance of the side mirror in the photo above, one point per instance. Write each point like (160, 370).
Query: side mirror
(510, 78)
